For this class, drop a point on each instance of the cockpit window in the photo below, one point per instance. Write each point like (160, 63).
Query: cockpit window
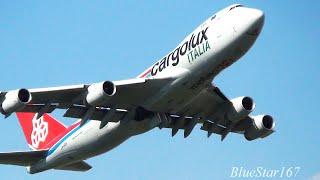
(212, 18)
(239, 5)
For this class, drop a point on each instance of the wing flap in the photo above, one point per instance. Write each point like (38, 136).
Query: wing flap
(97, 114)
(80, 111)
(25, 158)
(212, 128)
(38, 108)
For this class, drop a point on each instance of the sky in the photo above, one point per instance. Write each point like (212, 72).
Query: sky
(53, 43)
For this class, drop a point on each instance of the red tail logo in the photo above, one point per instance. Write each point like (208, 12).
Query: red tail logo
(39, 132)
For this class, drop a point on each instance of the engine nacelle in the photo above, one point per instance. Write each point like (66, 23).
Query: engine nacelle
(242, 107)
(100, 92)
(262, 126)
(15, 100)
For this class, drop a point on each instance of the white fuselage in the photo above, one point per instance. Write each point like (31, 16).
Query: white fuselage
(214, 45)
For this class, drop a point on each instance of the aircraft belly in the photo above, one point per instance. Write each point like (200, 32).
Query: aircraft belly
(89, 141)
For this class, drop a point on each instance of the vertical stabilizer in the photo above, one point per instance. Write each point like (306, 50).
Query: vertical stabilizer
(39, 132)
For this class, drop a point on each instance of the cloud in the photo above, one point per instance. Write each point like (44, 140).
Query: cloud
(316, 176)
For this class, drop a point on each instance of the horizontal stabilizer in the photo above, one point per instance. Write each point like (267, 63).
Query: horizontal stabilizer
(25, 158)
(77, 166)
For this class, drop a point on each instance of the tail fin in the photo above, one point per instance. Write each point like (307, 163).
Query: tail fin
(39, 132)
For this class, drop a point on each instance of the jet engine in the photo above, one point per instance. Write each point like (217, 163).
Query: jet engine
(15, 100)
(100, 92)
(241, 108)
(261, 127)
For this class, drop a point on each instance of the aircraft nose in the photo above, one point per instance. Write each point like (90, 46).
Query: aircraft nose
(247, 25)
(257, 22)
(249, 21)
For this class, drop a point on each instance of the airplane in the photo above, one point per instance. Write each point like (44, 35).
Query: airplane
(177, 92)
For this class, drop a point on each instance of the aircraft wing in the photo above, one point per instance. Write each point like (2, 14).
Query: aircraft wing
(67, 95)
(217, 114)
(208, 108)
(45, 100)
(207, 103)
